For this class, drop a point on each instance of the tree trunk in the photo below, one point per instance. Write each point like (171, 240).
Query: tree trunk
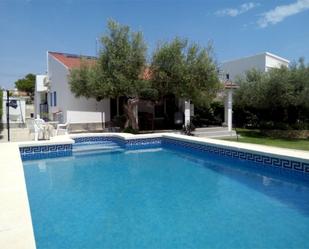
(130, 113)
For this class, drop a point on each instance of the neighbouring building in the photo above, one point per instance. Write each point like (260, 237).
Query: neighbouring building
(233, 69)
(261, 62)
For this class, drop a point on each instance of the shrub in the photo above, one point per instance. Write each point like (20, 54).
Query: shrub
(211, 115)
(276, 99)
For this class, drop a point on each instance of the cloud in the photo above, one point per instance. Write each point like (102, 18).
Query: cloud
(232, 12)
(281, 12)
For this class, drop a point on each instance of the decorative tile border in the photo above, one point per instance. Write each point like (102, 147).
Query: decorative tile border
(45, 151)
(273, 161)
(298, 166)
(125, 143)
(37, 156)
(143, 143)
(95, 139)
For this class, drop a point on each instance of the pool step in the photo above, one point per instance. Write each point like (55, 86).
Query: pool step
(104, 147)
(97, 152)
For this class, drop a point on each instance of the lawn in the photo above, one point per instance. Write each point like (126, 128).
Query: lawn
(255, 137)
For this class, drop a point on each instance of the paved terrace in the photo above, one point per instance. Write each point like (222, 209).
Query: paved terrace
(16, 135)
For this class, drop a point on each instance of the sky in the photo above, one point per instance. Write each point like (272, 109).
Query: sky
(29, 28)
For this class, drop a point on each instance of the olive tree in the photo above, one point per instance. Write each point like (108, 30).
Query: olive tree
(277, 98)
(118, 71)
(185, 70)
(26, 84)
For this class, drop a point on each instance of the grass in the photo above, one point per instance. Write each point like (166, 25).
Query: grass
(256, 137)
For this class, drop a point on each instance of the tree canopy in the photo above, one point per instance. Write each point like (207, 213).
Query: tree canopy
(276, 98)
(118, 71)
(178, 68)
(26, 84)
(185, 70)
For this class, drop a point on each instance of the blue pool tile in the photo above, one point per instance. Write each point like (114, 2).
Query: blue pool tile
(37, 152)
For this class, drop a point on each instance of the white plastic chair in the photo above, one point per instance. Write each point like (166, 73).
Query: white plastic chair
(63, 128)
(30, 125)
(39, 128)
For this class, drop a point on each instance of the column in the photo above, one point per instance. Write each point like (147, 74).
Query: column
(225, 110)
(37, 102)
(187, 112)
(229, 109)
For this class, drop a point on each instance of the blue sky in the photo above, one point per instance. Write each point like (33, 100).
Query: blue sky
(29, 28)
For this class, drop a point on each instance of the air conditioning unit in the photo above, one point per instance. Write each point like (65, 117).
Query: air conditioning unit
(46, 82)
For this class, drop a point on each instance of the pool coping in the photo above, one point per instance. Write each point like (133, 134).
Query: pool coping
(290, 154)
(15, 216)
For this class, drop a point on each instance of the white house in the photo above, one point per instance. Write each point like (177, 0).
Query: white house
(231, 70)
(53, 97)
(55, 101)
(261, 62)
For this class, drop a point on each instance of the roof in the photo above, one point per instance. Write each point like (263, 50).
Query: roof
(230, 85)
(277, 57)
(72, 60)
(260, 54)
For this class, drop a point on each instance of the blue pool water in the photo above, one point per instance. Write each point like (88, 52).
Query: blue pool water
(163, 198)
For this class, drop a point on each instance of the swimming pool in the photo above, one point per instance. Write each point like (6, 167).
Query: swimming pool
(163, 195)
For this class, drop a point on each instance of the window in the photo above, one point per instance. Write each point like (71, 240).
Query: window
(51, 99)
(55, 99)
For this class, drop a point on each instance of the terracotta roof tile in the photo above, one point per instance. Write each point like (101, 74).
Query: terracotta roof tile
(72, 60)
(230, 85)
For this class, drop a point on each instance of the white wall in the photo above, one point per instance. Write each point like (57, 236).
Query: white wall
(29, 110)
(40, 89)
(239, 67)
(275, 62)
(37, 102)
(58, 75)
(261, 62)
(19, 112)
(39, 83)
(78, 117)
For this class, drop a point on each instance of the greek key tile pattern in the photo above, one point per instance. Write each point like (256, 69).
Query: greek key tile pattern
(92, 140)
(257, 158)
(36, 152)
(53, 154)
(143, 143)
(45, 151)
(129, 144)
